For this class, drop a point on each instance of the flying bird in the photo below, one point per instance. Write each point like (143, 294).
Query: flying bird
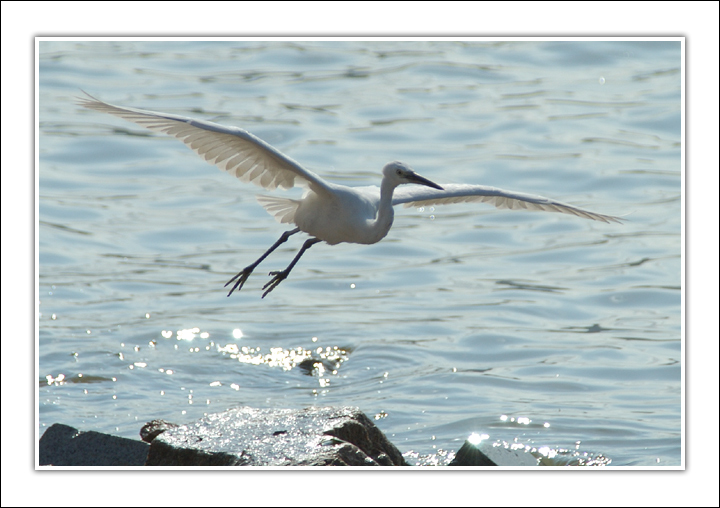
(328, 212)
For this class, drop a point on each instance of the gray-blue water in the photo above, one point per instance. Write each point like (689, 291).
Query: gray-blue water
(539, 329)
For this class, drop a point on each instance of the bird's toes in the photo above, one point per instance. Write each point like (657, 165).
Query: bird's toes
(241, 278)
(231, 281)
(278, 277)
(270, 286)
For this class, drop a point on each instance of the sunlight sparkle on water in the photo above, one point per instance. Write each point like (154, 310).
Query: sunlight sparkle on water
(59, 380)
(522, 420)
(188, 333)
(318, 362)
(548, 452)
(476, 438)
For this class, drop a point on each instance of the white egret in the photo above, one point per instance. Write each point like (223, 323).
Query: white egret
(327, 212)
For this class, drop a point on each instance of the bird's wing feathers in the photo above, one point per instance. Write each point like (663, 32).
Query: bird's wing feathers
(460, 193)
(282, 209)
(232, 149)
(251, 159)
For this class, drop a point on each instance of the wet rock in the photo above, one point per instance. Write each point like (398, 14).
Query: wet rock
(153, 429)
(473, 453)
(62, 445)
(276, 437)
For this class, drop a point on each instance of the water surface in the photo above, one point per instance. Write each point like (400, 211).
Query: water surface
(538, 329)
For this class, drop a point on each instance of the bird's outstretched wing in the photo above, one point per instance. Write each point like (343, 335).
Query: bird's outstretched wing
(461, 193)
(232, 149)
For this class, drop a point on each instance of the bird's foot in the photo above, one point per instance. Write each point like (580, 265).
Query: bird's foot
(278, 277)
(241, 278)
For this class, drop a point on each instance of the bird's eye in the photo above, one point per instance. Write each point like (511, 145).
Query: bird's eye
(399, 172)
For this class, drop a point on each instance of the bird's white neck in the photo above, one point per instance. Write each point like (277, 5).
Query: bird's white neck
(385, 214)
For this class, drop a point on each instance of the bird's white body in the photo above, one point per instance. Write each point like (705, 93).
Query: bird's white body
(345, 215)
(327, 212)
(341, 214)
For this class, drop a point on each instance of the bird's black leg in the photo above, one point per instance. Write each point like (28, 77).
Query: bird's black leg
(278, 277)
(243, 276)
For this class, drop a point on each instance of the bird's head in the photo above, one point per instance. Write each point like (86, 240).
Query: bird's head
(399, 173)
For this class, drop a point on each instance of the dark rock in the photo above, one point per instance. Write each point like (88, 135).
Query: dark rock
(276, 437)
(153, 429)
(315, 364)
(470, 455)
(486, 454)
(62, 445)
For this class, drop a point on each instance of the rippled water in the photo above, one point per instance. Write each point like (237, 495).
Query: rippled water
(549, 331)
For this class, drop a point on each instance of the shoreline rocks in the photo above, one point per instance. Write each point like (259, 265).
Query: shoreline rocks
(245, 436)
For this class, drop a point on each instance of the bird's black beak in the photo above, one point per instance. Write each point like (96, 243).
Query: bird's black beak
(420, 180)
